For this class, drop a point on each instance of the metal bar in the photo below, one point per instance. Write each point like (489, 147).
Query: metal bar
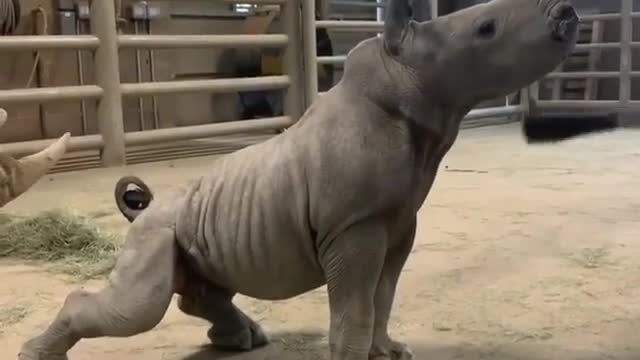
(76, 143)
(434, 8)
(80, 68)
(310, 54)
(202, 131)
(525, 100)
(626, 33)
(590, 74)
(48, 42)
(295, 97)
(256, 2)
(591, 104)
(214, 86)
(324, 9)
(109, 110)
(380, 11)
(606, 16)
(583, 74)
(592, 46)
(352, 25)
(378, 4)
(335, 60)
(199, 41)
(46, 94)
(152, 74)
(606, 45)
(495, 111)
(136, 30)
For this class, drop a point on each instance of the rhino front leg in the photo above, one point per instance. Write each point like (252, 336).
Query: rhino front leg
(352, 264)
(385, 348)
(135, 300)
(232, 329)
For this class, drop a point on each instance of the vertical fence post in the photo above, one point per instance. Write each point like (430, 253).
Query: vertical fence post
(107, 69)
(626, 33)
(310, 51)
(434, 8)
(295, 99)
(532, 96)
(380, 12)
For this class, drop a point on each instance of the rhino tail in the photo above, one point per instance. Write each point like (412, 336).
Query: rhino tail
(17, 176)
(132, 201)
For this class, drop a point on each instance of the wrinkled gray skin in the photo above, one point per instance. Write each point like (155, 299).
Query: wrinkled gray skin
(333, 200)
(18, 176)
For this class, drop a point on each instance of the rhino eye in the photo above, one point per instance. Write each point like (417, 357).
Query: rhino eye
(487, 29)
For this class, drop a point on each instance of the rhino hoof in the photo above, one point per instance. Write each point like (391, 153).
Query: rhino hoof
(31, 351)
(247, 339)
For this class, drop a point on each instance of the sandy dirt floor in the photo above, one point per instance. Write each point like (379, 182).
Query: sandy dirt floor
(523, 252)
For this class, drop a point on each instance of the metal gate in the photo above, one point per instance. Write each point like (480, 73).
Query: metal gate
(625, 74)
(109, 91)
(300, 80)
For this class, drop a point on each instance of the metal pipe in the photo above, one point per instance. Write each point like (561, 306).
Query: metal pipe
(324, 7)
(295, 97)
(494, 111)
(159, 136)
(380, 4)
(591, 104)
(201, 41)
(48, 42)
(583, 74)
(335, 60)
(109, 109)
(136, 30)
(214, 86)
(596, 46)
(257, 2)
(380, 9)
(310, 53)
(626, 33)
(525, 100)
(152, 74)
(352, 25)
(606, 16)
(76, 143)
(46, 94)
(83, 103)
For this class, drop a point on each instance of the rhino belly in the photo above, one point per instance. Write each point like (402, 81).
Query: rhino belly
(264, 267)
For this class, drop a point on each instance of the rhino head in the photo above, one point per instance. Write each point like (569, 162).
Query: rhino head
(459, 60)
(17, 176)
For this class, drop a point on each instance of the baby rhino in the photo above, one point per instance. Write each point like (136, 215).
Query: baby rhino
(333, 200)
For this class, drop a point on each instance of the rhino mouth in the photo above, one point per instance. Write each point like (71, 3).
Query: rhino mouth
(564, 22)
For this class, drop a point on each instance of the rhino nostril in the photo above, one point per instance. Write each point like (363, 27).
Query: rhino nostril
(565, 22)
(565, 13)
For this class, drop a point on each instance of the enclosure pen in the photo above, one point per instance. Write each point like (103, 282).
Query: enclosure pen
(300, 80)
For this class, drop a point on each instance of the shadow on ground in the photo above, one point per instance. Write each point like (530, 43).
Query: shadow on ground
(313, 346)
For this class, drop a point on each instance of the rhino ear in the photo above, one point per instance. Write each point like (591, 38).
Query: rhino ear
(399, 15)
(420, 10)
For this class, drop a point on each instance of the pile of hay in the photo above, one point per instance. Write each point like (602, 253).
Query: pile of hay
(71, 243)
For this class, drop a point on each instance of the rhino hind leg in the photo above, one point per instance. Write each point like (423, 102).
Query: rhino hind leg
(134, 301)
(232, 329)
